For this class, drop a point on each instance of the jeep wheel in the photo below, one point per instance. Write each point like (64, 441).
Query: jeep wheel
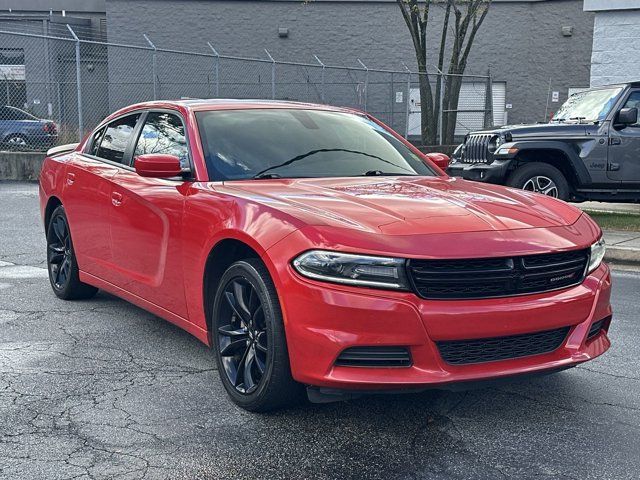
(541, 178)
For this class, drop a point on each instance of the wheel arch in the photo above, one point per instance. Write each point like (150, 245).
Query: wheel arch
(52, 203)
(223, 254)
(557, 154)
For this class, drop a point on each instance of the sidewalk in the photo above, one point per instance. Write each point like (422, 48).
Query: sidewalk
(622, 247)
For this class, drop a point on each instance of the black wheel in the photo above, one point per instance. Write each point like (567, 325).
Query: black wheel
(17, 142)
(541, 178)
(61, 261)
(249, 339)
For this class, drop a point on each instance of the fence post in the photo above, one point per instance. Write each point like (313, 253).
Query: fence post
(153, 66)
(441, 100)
(392, 106)
(78, 83)
(273, 75)
(406, 130)
(366, 83)
(216, 68)
(488, 101)
(321, 78)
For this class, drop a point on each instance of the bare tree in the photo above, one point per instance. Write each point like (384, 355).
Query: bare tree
(462, 20)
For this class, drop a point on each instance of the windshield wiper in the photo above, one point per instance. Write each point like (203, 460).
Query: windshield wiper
(266, 176)
(324, 150)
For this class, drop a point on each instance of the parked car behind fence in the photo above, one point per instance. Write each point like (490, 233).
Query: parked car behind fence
(21, 131)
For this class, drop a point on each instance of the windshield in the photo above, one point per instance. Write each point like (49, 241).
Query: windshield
(294, 143)
(588, 106)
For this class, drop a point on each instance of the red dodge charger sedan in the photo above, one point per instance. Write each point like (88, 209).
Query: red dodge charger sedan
(312, 246)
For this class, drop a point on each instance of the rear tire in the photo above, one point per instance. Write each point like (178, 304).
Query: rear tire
(541, 178)
(61, 260)
(249, 340)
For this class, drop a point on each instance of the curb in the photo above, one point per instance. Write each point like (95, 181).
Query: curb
(630, 256)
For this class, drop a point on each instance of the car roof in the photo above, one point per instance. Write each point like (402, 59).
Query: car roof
(205, 104)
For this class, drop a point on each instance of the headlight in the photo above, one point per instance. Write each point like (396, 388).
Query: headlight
(495, 143)
(362, 270)
(597, 254)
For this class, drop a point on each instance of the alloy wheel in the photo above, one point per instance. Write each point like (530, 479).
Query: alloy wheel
(17, 142)
(242, 335)
(59, 252)
(541, 184)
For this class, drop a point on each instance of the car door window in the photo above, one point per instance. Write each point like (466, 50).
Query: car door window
(116, 138)
(634, 102)
(163, 133)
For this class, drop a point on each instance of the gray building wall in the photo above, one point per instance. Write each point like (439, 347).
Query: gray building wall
(616, 41)
(522, 41)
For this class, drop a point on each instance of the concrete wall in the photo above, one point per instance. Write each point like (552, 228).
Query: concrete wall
(521, 40)
(20, 165)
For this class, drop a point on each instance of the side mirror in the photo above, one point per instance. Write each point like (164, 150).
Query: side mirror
(157, 165)
(627, 116)
(440, 159)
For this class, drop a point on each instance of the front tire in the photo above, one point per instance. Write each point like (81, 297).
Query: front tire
(541, 178)
(249, 339)
(61, 260)
(17, 142)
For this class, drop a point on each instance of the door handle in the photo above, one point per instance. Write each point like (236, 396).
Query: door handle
(614, 141)
(71, 177)
(116, 199)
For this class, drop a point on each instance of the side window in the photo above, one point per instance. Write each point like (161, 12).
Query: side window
(116, 138)
(95, 142)
(634, 102)
(163, 133)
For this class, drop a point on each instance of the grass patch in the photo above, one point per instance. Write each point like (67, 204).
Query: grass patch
(616, 221)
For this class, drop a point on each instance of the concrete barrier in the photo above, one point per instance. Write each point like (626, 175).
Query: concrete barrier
(20, 165)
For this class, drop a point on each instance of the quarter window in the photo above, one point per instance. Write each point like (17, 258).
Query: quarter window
(163, 133)
(116, 138)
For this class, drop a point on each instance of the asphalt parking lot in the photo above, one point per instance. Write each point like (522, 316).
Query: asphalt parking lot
(102, 389)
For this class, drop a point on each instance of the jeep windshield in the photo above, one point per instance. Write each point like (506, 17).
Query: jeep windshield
(270, 143)
(588, 106)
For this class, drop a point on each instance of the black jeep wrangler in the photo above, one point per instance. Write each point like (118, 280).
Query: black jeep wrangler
(589, 151)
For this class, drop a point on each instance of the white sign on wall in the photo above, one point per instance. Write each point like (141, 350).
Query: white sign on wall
(399, 97)
(555, 97)
(12, 72)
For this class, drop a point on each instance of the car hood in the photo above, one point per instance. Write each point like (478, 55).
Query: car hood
(406, 205)
(544, 130)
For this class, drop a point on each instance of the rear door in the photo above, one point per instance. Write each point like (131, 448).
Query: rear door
(624, 147)
(146, 221)
(88, 194)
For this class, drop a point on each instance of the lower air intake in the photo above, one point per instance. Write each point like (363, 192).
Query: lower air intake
(374, 357)
(597, 327)
(463, 352)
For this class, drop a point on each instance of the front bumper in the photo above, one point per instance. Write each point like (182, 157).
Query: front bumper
(321, 320)
(495, 172)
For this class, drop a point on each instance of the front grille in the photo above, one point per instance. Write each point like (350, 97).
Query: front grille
(476, 148)
(374, 357)
(463, 352)
(497, 277)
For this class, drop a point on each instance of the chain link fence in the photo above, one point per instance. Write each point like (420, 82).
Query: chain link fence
(55, 88)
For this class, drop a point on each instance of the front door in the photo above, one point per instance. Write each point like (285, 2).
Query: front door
(146, 220)
(624, 148)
